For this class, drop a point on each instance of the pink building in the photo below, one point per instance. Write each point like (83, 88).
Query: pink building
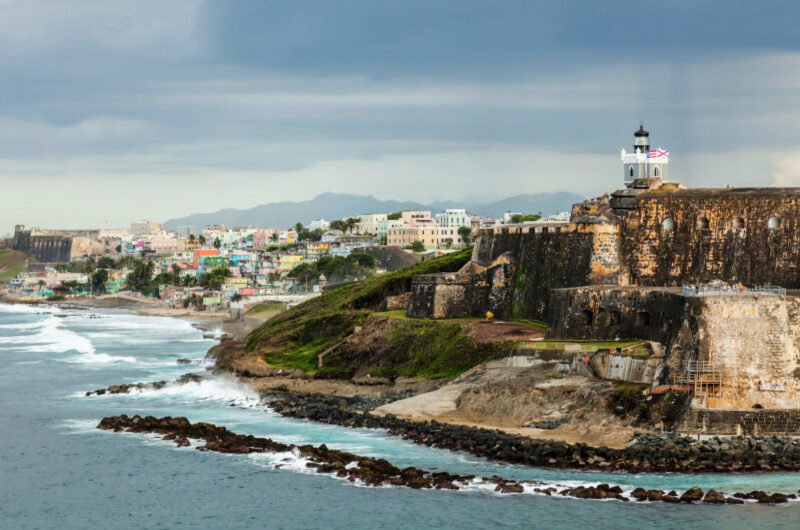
(263, 238)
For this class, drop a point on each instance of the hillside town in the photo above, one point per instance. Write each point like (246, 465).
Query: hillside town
(220, 268)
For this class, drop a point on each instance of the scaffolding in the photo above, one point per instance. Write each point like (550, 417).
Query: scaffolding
(706, 378)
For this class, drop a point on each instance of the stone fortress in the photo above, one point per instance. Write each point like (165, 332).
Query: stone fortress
(707, 276)
(59, 246)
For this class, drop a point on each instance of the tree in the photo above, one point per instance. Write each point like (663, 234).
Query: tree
(339, 224)
(118, 249)
(41, 284)
(176, 274)
(520, 218)
(448, 242)
(394, 216)
(99, 280)
(236, 297)
(351, 223)
(418, 246)
(274, 237)
(217, 243)
(202, 239)
(106, 263)
(466, 234)
(140, 278)
(191, 238)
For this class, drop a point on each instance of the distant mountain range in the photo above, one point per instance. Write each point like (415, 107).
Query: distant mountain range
(331, 206)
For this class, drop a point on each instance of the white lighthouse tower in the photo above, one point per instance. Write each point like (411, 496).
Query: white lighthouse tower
(644, 167)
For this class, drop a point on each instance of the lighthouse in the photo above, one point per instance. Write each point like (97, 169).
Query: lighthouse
(644, 167)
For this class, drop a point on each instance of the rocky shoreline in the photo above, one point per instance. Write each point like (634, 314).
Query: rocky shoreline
(646, 453)
(379, 472)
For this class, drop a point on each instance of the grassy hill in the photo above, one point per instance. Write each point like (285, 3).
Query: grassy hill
(12, 263)
(294, 338)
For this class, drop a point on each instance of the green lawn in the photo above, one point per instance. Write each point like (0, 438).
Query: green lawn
(265, 307)
(11, 264)
(589, 346)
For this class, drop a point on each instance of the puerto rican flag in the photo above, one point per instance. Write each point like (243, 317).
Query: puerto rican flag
(658, 153)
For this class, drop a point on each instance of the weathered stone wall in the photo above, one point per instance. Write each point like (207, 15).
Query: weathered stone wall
(445, 295)
(47, 249)
(452, 295)
(742, 235)
(755, 340)
(741, 421)
(610, 313)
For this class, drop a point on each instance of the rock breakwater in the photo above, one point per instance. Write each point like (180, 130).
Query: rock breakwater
(379, 472)
(647, 453)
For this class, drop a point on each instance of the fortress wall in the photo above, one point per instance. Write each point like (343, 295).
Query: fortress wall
(718, 234)
(741, 421)
(756, 342)
(610, 313)
(46, 249)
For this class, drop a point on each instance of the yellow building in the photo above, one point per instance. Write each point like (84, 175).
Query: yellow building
(401, 237)
(288, 262)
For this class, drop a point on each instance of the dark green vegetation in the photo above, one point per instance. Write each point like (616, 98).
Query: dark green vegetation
(627, 399)
(521, 218)
(336, 269)
(12, 262)
(418, 348)
(295, 337)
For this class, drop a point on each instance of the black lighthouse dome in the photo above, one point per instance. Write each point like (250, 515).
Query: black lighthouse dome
(641, 140)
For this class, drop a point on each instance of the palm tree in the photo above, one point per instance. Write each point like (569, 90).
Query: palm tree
(191, 238)
(217, 243)
(202, 240)
(274, 237)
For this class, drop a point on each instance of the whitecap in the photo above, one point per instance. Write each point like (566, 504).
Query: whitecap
(101, 358)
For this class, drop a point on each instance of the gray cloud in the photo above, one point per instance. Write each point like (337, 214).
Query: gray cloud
(161, 109)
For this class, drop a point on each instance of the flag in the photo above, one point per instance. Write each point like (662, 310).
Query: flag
(658, 153)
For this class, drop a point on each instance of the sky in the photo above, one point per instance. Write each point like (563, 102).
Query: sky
(113, 111)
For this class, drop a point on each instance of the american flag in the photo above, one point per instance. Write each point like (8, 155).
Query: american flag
(658, 153)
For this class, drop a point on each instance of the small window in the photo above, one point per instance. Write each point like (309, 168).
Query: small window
(655, 171)
(668, 224)
(737, 224)
(630, 172)
(702, 223)
(773, 223)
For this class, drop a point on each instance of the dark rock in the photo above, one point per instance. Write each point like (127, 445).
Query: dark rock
(692, 495)
(714, 497)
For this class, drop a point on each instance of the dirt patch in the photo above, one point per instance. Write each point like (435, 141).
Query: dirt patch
(495, 396)
(498, 331)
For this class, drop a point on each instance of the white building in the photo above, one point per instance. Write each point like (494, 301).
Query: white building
(561, 217)
(319, 224)
(643, 162)
(383, 226)
(185, 231)
(368, 224)
(453, 218)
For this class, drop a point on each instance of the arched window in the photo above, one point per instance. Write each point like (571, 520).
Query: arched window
(630, 171)
(774, 222)
(668, 224)
(655, 171)
(737, 224)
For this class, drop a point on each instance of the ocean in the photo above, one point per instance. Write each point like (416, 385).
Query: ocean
(57, 470)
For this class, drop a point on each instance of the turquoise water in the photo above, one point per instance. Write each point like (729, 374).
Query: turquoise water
(56, 469)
